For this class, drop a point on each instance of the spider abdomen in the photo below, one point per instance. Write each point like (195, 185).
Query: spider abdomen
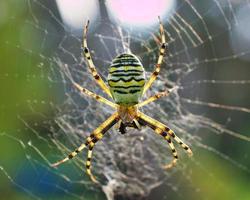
(126, 79)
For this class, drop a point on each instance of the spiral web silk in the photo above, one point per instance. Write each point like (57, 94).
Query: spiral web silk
(198, 63)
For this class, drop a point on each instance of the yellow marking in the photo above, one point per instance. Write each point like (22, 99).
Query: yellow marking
(74, 154)
(158, 131)
(81, 147)
(190, 153)
(172, 147)
(130, 83)
(88, 163)
(89, 139)
(89, 154)
(167, 137)
(125, 68)
(91, 144)
(98, 136)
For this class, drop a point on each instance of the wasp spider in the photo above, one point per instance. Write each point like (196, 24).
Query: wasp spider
(126, 85)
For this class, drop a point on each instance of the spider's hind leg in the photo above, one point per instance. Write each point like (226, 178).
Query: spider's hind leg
(88, 164)
(150, 121)
(166, 132)
(94, 137)
(174, 153)
(166, 137)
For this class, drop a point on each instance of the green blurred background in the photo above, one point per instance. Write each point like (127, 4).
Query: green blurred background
(26, 93)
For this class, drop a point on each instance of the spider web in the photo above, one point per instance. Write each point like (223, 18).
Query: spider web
(207, 67)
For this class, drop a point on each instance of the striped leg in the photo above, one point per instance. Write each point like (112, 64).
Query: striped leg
(166, 137)
(174, 153)
(153, 98)
(93, 138)
(159, 61)
(90, 63)
(95, 96)
(163, 127)
(71, 155)
(88, 164)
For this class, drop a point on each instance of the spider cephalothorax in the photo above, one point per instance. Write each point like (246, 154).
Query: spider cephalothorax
(128, 117)
(126, 81)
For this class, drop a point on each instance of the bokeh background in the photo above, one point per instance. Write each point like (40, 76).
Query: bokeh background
(31, 35)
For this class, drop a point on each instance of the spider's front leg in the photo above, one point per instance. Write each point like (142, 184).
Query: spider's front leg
(166, 132)
(94, 137)
(95, 96)
(159, 61)
(153, 98)
(90, 63)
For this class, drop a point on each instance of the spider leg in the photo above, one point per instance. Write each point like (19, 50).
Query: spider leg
(118, 124)
(153, 98)
(88, 164)
(95, 96)
(136, 124)
(94, 137)
(90, 63)
(159, 61)
(174, 153)
(164, 128)
(166, 137)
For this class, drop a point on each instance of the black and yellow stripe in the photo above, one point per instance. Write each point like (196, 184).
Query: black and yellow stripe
(166, 136)
(92, 68)
(126, 79)
(94, 137)
(152, 123)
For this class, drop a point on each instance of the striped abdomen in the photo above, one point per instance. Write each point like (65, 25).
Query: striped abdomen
(126, 79)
